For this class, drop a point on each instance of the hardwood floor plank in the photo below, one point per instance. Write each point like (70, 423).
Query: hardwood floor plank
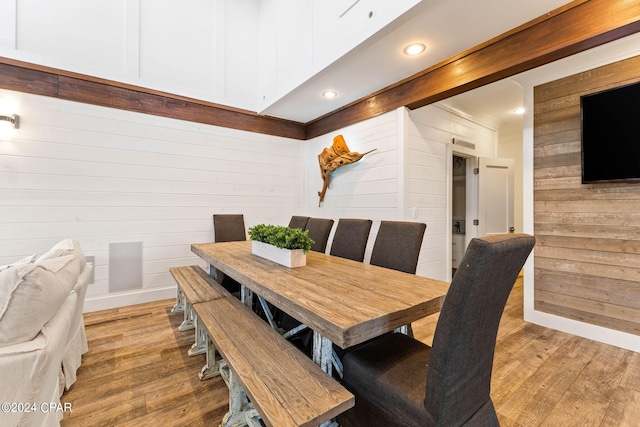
(624, 409)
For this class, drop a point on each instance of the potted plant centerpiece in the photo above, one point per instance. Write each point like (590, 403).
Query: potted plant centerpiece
(284, 245)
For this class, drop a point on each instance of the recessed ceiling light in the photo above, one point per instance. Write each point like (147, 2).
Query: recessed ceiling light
(330, 94)
(519, 110)
(414, 49)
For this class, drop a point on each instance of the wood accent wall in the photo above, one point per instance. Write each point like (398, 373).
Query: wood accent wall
(587, 256)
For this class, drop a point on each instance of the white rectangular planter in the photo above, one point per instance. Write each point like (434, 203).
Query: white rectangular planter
(286, 257)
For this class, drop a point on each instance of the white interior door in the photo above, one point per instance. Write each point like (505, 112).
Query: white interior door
(495, 196)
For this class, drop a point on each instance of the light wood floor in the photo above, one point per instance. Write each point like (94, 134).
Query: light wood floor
(137, 373)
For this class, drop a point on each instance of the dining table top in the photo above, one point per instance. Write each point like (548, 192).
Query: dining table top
(346, 301)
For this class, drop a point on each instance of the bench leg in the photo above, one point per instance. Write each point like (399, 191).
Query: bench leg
(323, 352)
(179, 307)
(187, 323)
(212, 367)
(241, 411)
(200, 344)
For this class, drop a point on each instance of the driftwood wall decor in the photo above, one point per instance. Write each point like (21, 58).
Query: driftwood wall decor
(332, 158)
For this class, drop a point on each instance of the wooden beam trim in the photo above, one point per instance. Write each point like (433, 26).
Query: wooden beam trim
(587, 25)
(46, 81)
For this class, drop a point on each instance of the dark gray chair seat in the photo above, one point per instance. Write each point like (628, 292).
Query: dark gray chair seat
(399, 381)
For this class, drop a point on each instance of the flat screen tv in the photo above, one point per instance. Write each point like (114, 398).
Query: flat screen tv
(611, 135)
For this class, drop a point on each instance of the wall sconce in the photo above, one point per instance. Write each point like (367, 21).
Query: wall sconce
(14, 120)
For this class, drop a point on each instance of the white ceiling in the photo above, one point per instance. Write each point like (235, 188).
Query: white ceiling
(447, 28)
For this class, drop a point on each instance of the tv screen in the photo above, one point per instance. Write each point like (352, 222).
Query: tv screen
(611, 135)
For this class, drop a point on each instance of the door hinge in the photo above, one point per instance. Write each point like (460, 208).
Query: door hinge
(476, 222)
(476, 171)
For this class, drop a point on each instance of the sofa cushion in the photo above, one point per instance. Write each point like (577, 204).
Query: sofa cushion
(31, 294)
(67, 247)
(27, 260)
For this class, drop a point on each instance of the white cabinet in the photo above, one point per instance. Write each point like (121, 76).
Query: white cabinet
(457, 249)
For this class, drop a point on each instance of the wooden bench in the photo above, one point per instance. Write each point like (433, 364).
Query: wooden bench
(196, 286)
(284, 386)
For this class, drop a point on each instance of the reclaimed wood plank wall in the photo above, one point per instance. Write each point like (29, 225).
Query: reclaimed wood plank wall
(587, 257)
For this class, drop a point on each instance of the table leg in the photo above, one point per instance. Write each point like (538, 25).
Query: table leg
(323, 352)
(267, 313)
(402, 330)
(246, 296)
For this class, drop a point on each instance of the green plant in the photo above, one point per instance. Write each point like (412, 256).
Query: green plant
(281, 237)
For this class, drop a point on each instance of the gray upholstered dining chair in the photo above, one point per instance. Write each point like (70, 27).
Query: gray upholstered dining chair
(399, 381)
(228, 228)
(298, 222)
(397, 245)
(319, 231)
(350, 238)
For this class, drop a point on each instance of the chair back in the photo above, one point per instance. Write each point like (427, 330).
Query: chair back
(350, 238)
(299, 222)
(319, 230)
(398, 245)
(459, 374)
(229, 228)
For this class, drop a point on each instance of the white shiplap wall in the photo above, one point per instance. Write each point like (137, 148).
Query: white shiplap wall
(366, 189)
(405, 179)
(101, 175)
(430, 131)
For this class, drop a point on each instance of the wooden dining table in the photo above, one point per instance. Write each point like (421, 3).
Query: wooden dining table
(343, 301)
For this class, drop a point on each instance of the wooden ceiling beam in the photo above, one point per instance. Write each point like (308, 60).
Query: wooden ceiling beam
(41, 80)
(579, 26)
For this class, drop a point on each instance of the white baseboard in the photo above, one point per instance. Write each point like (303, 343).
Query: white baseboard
(584, 330)
(123, 299)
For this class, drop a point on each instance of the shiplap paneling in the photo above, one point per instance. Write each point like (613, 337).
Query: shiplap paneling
(102, 176)
(408, 170)
(366, 189)
(588, 250)
(428, 169)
